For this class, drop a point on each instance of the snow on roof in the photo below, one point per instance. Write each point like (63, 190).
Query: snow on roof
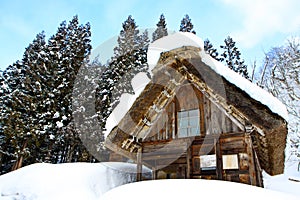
(250, 88)
(181, 39)
(138, 83)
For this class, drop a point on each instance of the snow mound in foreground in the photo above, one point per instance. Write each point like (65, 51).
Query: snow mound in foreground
(96, 181)
(65, 181)
(183, 188)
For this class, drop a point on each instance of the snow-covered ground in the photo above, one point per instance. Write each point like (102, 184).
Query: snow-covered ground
(96, 181)
(192, 188)
(282, 182)
(65, 181)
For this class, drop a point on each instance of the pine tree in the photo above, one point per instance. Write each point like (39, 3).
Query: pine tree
(130, 58)
(19, 106)
(186, 25)
(128, 39)
(161, 29)
(209, 49)
(85, 104)
(36, 106)
(232, 57)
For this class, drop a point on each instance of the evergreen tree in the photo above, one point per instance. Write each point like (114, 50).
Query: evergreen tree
(85, 114)
(128, 39)
(19, 105)
(209, 49)
(232, 57)
(36, 105)
(130, 58)
(186, 25)
(161, 29)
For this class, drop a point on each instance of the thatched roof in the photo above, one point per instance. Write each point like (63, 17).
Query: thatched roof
(186, 63)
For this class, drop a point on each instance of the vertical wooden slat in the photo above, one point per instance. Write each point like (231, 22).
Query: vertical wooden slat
(249, 148)
(219, 160)
(154, 173)
(176, 119)
(258, 170)
(139, 164)
(170, 111)
(207, 114)
(188, 163)
(201, 109)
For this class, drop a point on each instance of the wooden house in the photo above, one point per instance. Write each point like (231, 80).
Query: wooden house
(191, 122)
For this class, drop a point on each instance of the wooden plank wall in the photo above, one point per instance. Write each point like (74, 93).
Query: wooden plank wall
(216, 121)
(176, 159)
(212, 119)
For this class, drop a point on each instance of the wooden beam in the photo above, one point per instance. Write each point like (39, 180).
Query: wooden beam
(258, 170)
(154, 173)
(219, 161)
(249, 149)
(139, 165)
(188, 163)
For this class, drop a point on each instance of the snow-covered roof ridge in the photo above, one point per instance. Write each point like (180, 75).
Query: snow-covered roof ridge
(178, 40)
(181, 39)
(253, 90)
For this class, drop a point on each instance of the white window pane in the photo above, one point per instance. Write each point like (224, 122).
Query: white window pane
(194, 122)
(208, 161)
(183, 123)
(182, 132)
(230, 161)
(194, 132)
(193, 113)
(182, 114)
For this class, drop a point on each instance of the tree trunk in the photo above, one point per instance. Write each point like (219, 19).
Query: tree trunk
(19, 161)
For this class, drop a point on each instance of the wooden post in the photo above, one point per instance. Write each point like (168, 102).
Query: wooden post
(249, 150)
(258, 170)
(188, 163)
(139, 165)
(219, 159)
(176, 119)
(154, 173)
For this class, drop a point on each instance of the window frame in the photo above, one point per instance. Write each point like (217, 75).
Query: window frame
(190, 118)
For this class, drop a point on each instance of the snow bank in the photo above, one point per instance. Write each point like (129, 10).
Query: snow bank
(96, 181)
(283, 182)
(192, 188)
(65, 181)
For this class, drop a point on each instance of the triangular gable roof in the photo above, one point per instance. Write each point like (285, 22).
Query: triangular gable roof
(191, 63)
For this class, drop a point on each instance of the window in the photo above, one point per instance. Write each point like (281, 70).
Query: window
(188, 123)
(230, 161)
(208, 162)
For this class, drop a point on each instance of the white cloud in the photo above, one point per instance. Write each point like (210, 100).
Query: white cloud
(263, 18)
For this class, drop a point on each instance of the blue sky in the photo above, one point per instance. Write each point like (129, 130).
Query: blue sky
(256, 25)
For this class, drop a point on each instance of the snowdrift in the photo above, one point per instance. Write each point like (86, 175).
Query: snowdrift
(101, 180)
(65, 181)
(192, 188)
